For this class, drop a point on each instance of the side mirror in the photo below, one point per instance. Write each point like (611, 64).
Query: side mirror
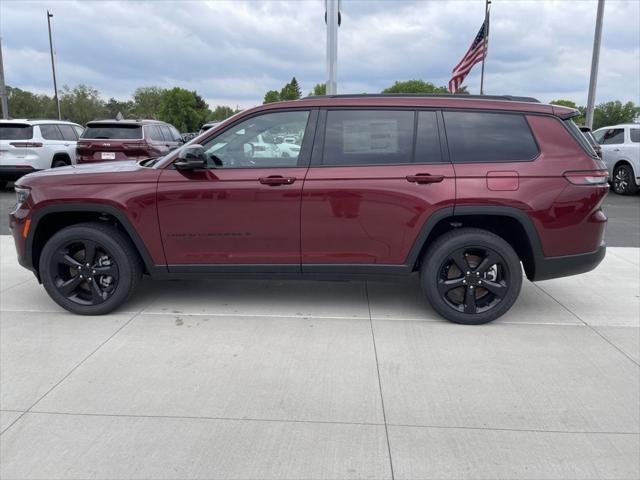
(191, 157)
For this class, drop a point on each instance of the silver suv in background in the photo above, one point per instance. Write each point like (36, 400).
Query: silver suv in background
(30, 145)
(621, 152)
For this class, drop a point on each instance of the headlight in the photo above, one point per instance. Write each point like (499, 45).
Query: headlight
(22, 193)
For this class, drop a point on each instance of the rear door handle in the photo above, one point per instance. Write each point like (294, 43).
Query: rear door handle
(424, 178)
(275, 180)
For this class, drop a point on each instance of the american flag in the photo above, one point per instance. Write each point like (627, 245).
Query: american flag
(475, 54)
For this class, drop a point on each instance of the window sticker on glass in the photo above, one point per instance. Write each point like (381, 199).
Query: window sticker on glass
(370, 136)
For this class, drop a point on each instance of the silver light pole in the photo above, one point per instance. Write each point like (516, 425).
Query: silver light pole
(333, 10)
(53, 65)
(3, 90)
(595, 59)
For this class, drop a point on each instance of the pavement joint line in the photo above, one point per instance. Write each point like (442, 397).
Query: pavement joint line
(593, 329)
(16, 285)
(204, 417)
(375, 353)
(433, 321)
(527, 430)
(70, 372)
(323, 422)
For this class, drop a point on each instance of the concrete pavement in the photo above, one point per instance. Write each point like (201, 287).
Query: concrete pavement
(321, 380)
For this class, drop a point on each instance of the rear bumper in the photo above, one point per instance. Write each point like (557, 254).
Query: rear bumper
(10, 172)
(564, 266)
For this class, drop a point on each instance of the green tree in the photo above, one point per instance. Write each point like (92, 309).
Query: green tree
(613, 113)
(271, 96)
(113, 107)
(420, 86)
(179, 107)
(319, 89)
(291, 91)
(221, 112)
(81, 104)
(414, 86)
(571, 104)
(147, 101)
(25, 104)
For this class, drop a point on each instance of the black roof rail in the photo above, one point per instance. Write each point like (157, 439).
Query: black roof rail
(509, 98)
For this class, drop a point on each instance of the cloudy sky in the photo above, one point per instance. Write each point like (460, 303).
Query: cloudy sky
(232, 52)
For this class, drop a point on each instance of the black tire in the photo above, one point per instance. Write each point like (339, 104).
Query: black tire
(462, 295)
(623, 180)
(60, 162)
(113, 272)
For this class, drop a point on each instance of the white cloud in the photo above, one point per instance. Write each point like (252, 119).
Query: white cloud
(233, 52)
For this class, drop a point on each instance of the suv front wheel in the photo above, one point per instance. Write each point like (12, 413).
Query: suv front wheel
(471, 276)
(89, 268)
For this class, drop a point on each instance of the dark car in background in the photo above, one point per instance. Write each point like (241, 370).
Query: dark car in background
(108, 140)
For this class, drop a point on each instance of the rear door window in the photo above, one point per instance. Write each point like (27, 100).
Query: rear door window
(116, 132)
(50, 132)
(368, 137)
(613, 136)
(15, 131)
(68, 133)
(476, 137)
(166, 133)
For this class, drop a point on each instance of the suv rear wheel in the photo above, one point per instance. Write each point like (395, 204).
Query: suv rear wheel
(623, 181)
(471, 276)
(89, 268)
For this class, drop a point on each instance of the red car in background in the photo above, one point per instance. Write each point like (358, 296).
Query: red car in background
(108, 140)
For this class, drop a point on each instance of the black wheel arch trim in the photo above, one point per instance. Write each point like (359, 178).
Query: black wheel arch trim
(98, 208)
(475, 210)
(543, 267)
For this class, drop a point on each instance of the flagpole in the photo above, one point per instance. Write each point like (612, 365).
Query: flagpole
(486, 43)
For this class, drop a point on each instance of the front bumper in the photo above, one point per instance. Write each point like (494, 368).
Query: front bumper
(564, 266)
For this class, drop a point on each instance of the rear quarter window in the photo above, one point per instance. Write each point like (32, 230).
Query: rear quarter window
(476, 137)
(16, 131)
(635, 135)
(50, 132)
(119, 132)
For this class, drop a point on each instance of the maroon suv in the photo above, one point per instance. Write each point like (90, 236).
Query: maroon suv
(466, 191)
(107, 140)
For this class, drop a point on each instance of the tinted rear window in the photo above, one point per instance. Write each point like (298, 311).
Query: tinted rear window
(489, 137)
(635, 135)
(15, 132)
(124, 132)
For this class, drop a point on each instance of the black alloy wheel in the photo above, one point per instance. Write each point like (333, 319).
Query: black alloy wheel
(84, 272)
(471, 276)
(473, 279)
(90, 268)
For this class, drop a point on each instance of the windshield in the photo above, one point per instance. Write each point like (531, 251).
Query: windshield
(123, 132)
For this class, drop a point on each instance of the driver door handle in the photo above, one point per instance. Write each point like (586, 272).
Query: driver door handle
(275, 180)
(424, 178)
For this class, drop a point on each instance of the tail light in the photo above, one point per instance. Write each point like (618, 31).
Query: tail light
(26, 144)
(134, 145)
(588, 177)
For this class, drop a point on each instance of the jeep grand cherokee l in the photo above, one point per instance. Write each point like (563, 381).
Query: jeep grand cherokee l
(466, 191)
(105, 140)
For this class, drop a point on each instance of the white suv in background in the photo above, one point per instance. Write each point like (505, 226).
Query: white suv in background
(30, 145)
(621, 152)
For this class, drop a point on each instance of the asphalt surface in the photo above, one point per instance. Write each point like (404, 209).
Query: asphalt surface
(623, 229)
